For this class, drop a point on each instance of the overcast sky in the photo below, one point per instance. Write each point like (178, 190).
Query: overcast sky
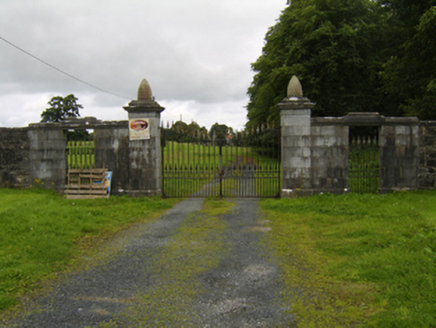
(196, 55)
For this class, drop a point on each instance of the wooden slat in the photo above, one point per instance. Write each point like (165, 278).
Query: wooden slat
(95, 186)
(87, 170)
(86, 192)
(84, 196)
(86, 183)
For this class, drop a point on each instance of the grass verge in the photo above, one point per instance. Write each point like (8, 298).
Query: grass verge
(358, 259)
(42, 233)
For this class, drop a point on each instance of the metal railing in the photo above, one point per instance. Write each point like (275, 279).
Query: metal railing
(233, 165)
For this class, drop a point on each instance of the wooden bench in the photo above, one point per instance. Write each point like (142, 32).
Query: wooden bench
(87, 183)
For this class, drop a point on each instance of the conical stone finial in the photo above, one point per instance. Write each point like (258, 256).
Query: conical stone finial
(295, 90)
(145, 102)
(144, 91)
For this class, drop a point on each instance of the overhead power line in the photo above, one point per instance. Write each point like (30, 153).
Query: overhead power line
(61, 71)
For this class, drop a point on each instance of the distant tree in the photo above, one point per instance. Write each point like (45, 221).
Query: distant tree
(180, 126)
(182, 132)
(219, 130)
(219, 133)
(194, 129)
(61, 108)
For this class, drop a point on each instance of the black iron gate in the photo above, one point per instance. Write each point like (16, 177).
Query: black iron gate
(364, 159)
(241, 164)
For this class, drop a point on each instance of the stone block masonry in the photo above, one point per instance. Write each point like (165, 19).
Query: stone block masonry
(427, 154)
(14, 158)
(47, 155)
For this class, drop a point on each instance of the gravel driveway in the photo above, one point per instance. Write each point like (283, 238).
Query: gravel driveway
(189, 268)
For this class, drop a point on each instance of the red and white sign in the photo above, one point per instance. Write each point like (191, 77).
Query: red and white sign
(139, 129)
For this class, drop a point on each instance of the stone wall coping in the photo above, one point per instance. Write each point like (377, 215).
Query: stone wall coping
(295, 103)
(14, 129)
(364, 118)
(77, 123)
(427, 123)
(141, 106)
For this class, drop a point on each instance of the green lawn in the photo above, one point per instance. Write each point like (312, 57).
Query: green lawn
(354, 259)
(41, 233)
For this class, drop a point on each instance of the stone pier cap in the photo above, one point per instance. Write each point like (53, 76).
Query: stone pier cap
(145, 101)
(294, 97)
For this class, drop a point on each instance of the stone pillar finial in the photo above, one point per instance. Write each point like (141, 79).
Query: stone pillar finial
(295, 90)
(145, 101)
(144, 91)
(294, 98)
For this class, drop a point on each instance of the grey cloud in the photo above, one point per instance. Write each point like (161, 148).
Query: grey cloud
(191, 52)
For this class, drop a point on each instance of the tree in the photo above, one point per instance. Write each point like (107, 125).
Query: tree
(409, 75)
(182, 132)
(220, 130)
(61, 108)
(219, 133)
(336, 49)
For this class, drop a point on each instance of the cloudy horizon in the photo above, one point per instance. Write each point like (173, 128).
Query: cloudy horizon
(196, 55)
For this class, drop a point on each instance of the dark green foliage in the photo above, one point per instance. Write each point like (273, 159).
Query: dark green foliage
(350, 55)
(219, 132)
(61, 108)
(183, 132)
(409, 76)
(80, 135)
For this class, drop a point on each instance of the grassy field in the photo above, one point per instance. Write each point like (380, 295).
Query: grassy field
(42, 233)
(354, 259)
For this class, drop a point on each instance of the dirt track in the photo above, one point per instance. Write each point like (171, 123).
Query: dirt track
(188, 268)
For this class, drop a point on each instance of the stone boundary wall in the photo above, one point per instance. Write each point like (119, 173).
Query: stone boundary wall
(408, 154)
(48, 155)
(399, 150)
(427, 154)
(14, 158)
(37, 156)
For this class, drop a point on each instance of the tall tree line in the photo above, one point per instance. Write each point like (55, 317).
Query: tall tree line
(350, 55)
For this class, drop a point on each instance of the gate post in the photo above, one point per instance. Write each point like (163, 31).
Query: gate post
(144, 144)
(295, 114)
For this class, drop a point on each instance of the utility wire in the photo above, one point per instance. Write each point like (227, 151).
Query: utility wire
(61, 71)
